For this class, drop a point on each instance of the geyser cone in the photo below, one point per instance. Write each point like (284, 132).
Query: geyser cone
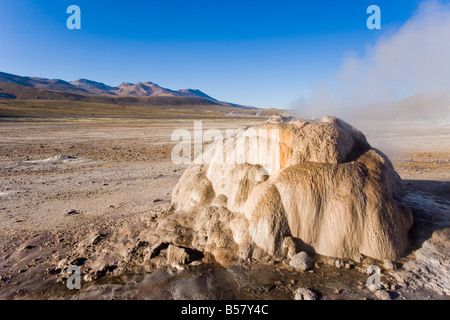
(319, 185)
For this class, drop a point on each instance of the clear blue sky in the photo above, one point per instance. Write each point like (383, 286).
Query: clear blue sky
(260, 53)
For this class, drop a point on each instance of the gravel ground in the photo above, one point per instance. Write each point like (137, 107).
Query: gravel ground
(87, 191)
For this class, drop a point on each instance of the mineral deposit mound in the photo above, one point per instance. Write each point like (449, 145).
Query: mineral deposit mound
(279, 188)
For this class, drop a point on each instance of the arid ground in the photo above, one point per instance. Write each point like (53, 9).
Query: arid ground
(102, 184)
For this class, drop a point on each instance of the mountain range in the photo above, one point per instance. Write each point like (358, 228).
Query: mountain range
(90, 87)
(40, 99)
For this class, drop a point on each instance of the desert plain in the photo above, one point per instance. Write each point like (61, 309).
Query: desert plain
(88, 192)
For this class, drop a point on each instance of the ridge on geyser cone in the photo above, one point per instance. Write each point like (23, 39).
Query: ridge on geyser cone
(318, 187)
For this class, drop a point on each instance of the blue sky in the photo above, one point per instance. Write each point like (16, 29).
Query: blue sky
(260, 53)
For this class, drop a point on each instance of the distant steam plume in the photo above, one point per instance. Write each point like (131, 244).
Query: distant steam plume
(414, 59)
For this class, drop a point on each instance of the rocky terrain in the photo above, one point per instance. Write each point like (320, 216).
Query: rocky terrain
(100, 197)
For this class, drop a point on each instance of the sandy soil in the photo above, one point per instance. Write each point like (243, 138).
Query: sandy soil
(63, 185)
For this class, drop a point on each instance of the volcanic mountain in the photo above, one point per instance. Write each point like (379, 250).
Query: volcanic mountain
(93, 86)
(90, 87)
(42, 98)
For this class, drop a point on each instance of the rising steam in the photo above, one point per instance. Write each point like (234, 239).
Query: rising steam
(413, 59)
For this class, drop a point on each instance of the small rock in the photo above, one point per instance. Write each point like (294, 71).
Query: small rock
(389, 265)
(28, 248)
(88, 277)
(53, 270)
(304, 294)
(338, 291)
(330, 261)
(258, 254)
(98, 238)
(142, 244)
(62, 280)
(289, 247)
(358, 258)
(302, 261)
(383, 295)
(73, 212)
(157, 200)
(102, 272)
(78, 261)
(339, 264)
(177, 255)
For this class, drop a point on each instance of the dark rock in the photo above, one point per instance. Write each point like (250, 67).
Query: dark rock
(28, 248)
(53, 270)
(78, 261)
(101, 273)
(156, 250)
(98, 238)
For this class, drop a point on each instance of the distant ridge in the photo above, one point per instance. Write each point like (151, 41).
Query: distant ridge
(41, 83)
(90, 87)
(195, 93)
(93, 86)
